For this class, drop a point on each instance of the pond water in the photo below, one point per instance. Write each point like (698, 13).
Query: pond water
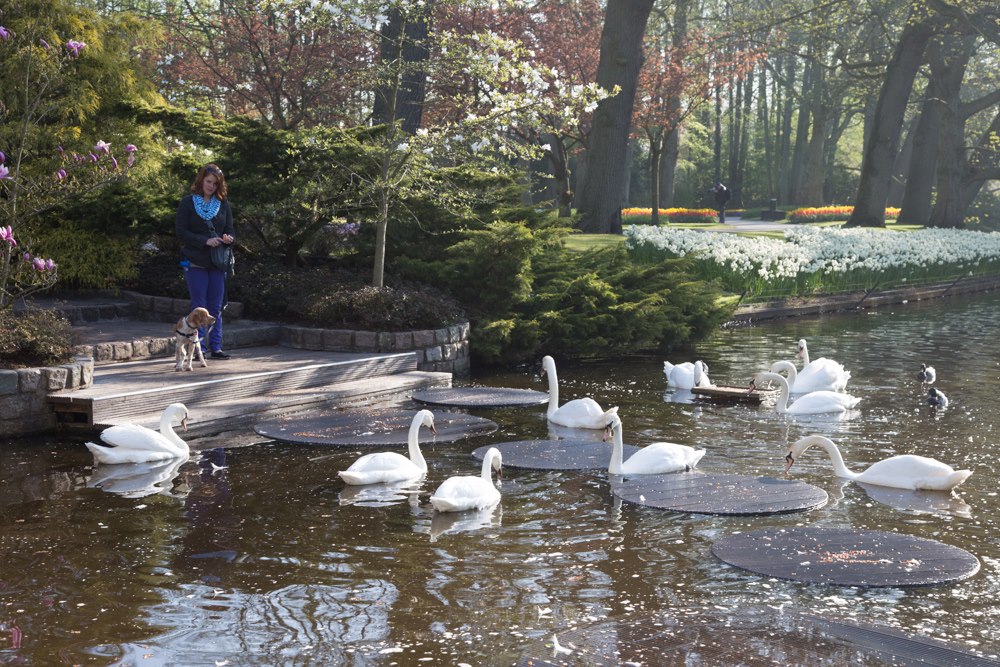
(255, 555)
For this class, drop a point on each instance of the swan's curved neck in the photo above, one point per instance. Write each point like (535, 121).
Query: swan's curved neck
(550, 371)
(782, 405)
(789, 368)
(414, 446)
(487, 471)
(839, 467)
(804, 353)
(167, 430)
(617, 450)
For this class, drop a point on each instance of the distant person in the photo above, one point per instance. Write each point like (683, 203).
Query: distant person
(204, 220)
(722, 196)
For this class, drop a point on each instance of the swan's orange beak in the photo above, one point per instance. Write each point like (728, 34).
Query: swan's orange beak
(789, 460)
(433, 430)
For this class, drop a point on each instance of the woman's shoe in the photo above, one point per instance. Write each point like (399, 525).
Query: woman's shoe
(219, 354)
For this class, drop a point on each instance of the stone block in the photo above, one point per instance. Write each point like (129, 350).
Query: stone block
(30, 379)
(312, 339)
(383, 341)
(292, 336)
(140, 349)
(454, 333)
(161, 346)
(72, 375)
(423, 338)
(365, 341)
(434, 354)
(402, 341)
(54, 378)
(440, 336)
(163, 304)
(8, 382)
(104, 352)
(121, 351)
(336, 340)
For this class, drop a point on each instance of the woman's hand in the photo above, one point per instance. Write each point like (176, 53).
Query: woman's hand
(227, 239)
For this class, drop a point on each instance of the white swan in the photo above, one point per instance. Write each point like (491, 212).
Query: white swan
(820, 374)
(936, 398)
(137, 480)
(817, 402)
(686, 375)
(468, 492)
(578, 413)
(131, 443)
(383, 467)
(927, 374)
(654, 458)
(905, 471)
(795, 380)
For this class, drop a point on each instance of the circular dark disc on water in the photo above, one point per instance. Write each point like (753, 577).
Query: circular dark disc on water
(481, 397)
(846, 557)
(352, 429)
(555, 454)
(703, 493)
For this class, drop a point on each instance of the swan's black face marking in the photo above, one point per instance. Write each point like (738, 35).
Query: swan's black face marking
(789, 460)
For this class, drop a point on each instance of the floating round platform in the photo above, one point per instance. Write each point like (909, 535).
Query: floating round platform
(481, 397)
(703, 493)
(555, 454)
(352, 429)
(846, 557)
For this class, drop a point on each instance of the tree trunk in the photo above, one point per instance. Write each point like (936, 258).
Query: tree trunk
(656, 143)
(668, 168)
(785, 136)
(948, 58)
(765, 124)
(801, 137)
(619, 65)
(883, 142)
(403, 43)
(901, 167)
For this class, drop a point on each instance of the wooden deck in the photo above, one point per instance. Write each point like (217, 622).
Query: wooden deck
(257, 381)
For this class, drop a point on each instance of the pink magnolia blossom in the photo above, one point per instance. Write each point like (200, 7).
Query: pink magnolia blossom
(50, 265)
(7, 234)
(114, 163)
(131, 159)
(4, 172)
(45, 45)
(130, 148)
(74, 47)
(38, 264)
(103, 147)
(4, 34)
(26, 257)
(3, 158)
(61, 175)
(93, 158)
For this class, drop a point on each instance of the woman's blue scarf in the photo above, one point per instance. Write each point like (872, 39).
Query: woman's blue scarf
(206, 211)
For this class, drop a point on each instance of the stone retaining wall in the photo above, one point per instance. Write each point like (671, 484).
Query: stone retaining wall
(23, 405)
(444, 350)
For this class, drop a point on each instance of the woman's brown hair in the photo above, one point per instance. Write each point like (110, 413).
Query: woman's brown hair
(221, 191)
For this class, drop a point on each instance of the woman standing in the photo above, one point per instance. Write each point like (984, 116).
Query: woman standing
(204, 221)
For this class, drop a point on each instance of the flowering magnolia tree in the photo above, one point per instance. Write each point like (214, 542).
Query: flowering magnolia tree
(482, 91)
(31, 181)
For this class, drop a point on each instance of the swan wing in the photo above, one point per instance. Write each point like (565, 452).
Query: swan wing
(457, 494)
(819, 402)
(113, 455)
(132, 436)
(580, 413)
(379, 468)
(822, 374)
(908, 471)
(682, 376)
(661, 457)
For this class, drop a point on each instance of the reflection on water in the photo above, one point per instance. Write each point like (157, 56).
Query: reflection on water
(259, 555)
(136, 480)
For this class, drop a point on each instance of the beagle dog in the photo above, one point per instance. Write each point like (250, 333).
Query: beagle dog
(188, 339)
